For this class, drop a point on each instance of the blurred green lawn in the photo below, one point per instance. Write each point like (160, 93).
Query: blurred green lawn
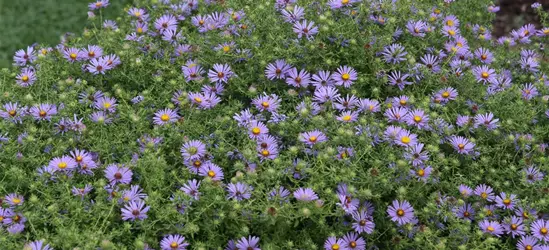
(24, 22)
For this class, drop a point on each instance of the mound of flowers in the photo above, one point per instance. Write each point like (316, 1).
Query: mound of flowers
(287, 124)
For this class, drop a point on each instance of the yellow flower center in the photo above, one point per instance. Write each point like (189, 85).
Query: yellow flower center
(546, 31)
(490, 229)
(79, 158)
(24, 78)
(352, 244)
(107, 105)
(421, 172)
(211, 173)
(91, 54)
(265, 104)
(201, 22)
(402, 102)
(335, 246)
(461, 146)
(445, 94)
(437, 11)
(345, 77)
(1, 218)
(529, 247)
(400, 212)
(484, 75)
(344, 1)
(371, 107)
(265, 152)
(73, 56)
(220, 74)
(165, 117)
(44, 51)
(543, 230)
(62, 165)
(174, 245)
(347, 118)
(417, 118)
(514, 226)
(139, 30)
(507, 202)
(98, 4)
(198, 99)
(525, 215)
(226, 49)
(16, 201)
(256, 131)
(450, 23)
(12, 112)
(451, 32)
(405, 139)
(312, 139)
(42, 113)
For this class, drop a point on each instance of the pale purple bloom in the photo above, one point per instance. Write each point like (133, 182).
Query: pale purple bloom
(514, 226)
(24, 57)
(13, 112)
(485, 192)
(135, 193)
(81, 191)
(405, 139)
(211, 171)
(353, 241)
(293, 16)
(239, 191)
(394, 53)
(396, 78)
(486, 120)
(118, 174)
(193, 150)
(14, 199)
(250, 243)
(396, 114)
(465, 190)
(484, 55)
(369, 106)
(322, 78)
(324, 94)
(540, 229)
(267, 103)
(491, 227)
(506, 201)
(344, 76)
(26, 78)
(220, 73)
(401, 212)
(529, 91)
(165, 116)
(165, 22)
(484, 74)
(533, 174)
(305, 194)
(416, 155)
(422, 172)
(417, 118)
(461, 144)
(465, 212)
(73, 54)
(305, 29)
(63, 163)
(313, 137)
(297, 78)
(43, 111)
(277, 70)
(417, 28)
(173, 242)
(106, 103)
(38, 245)
(135, 210)
(334, 243)
(191, 189)
(527, 242)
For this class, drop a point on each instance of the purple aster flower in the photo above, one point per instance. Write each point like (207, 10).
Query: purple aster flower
(24, 57)
(465, 190)
(461, 144)
(270, 152)
(192, 150)
(135, 193)
(277, 70)
(220, 73)
(110, 25)
(90, 98)
(422, 173)
(485, 192)
(486, 120)
(415, 154)
(417, 118)
(417, 28)
(6, 214)
(540, 229)
(43, 111)
(173, 242)
(396, 114)
(451, 20)
(14, 199)
(13, 112)
(81, 191)
(369, 106)
(100, 117)
(484, 55)
(431, 62)
(135, 210)
(484, 74)
(322, 78)
(344, 153)
(450, 31)
(191, 188)
(527, 242)
(239, 191)
(251, 243)
(73, 54)
(529, 91)
(98, 66)
(118, 174)
(325, 94)
(463, 120)
(313, 137)
(16, 228)
(514, 226)
(405, 139)
(305, 29)
(353, 241)
(293, 16)
(334, 243)
(98, 4)
(348, 116)
(172, 36)
(257, 129)
(267, 103)
(305, 194)
(506, 201)
(93, 51)
(26, 78)
(38, 245)
(349, 102)
(348, 204)
(491, 227)
(280, 193)
(297, 78)
(165, 22)
(394, 54)
(106, 104)
(211, 171)
(533, 174)
(396, 78)
(165, 116)
(465, 212)
(63, 163)
(401, 212)
(345, 76)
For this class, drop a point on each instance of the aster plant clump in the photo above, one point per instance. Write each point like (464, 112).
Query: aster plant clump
(280, 124)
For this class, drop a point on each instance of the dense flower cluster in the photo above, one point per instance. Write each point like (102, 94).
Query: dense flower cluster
(288, 124)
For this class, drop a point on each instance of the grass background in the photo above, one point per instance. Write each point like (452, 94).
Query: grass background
(24, 22)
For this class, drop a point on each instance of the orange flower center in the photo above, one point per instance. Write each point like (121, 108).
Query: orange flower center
(484, 75)
(73, 56)
(265, 104)
(312, 139)
(400, 212)
(421, 172)
(211, 173)
(25, 78)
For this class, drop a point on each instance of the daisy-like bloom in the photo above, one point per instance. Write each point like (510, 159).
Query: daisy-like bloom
(191, 188)
(165, 116)
(43, 111)
(484, 55)
(192, 72)
(533, 174)
(313, 137)
(527, 242)
(293, 16)
(416, 155)
(353, 241)
(135, 193)
(26, 78)
(345, 76)
(514, 226)
(173, 242)
(465, 190)
(369, 106)
(394, 54)
(431, 62)
(348, 116)
(211, 171)
(220, 73)
(193, 150)
(540, 229)
(277, 70)
(529, 91)
(461, 144)
(529, 64)
(390, 133)
(110, 25)
(24, 57)
(81, 191)
(405, 139)
(506, 201)
(257, 129)
(491, 227)
(239, 191)
(543, 32)
(322, 78)
(250, 243)
(451, 21)
(279, 193)
(165, 22)
(484, 74)
(93, 51)
(267, 151)
(37, 245)
(333, 243)
(401, 212)
(338, 4)
(344, 153)
(63, 163)
(13, 112)
(450, 31)
(396, 114)
(118, 174)
(348, 204)
(396, 78)
(349, 102)
(486, 120)
(14, 199)
(485, 192)
(100, 117)
(417, 118)
(106, 103)
(417, 28)
(422, 173)
(305, 194)
(325, 94)
(305, 29)
(463, 120)
(135, 210)
(73, 54)
(297, 78)
(98, 4)
(6, 215)
(362, 222)
(267, 103)
(98, 66)
(465, 212)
